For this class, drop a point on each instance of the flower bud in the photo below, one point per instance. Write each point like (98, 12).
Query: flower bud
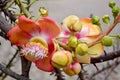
(112, 4)
(107, 41)
(61, 59)
(115, 11)
(70, 20)
(81, 49)
(72, 42)
(72, 69)
(95, 19)
(43, 12)
(106, 19)
(77, 27)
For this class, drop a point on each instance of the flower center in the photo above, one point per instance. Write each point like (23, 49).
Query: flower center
(35, 49)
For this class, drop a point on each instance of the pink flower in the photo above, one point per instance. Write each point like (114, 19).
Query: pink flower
(88, 34)
(35, 38)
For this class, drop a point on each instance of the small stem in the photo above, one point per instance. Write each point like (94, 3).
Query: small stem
(65, 37)
(63, 45)
(59, 74)
(31, 3)
(24, 10)
(9, 64)
(9, 5)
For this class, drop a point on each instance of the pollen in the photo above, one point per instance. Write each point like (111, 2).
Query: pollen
(34, 50)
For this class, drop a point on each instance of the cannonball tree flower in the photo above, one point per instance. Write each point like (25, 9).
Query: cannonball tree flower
(88, 34)
(35, 38)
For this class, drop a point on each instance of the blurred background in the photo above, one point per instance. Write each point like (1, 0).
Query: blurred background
(58, 10)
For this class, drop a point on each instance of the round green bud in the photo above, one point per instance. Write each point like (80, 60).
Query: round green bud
(112, 4)
(115, 10)
(72, 42)
(95, 19)
(107, 41)
(81, 49)
(106, 19)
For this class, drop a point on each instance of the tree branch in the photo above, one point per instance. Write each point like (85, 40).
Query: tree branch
(12, 74)
(6, 27)
(109, 56)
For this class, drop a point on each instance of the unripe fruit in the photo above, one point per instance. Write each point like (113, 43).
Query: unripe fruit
(72, 42)
(107, 41)
(72, 69)
(81, 49)
(61, 59)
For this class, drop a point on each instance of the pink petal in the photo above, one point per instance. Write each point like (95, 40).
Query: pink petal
(44, 64)
(28, 25)
(49, 27)
(17, 36)
(92, 28)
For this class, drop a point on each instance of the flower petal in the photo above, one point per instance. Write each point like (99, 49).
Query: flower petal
(96, 50)
(44, 64)
(82, 59)
(28, 25)
(49, 27)
(17, 36)
(93, 29)
(89, 39)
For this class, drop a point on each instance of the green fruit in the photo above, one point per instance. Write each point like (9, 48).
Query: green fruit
(107, 41)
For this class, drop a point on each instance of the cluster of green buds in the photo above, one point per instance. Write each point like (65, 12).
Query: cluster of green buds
(115, 9)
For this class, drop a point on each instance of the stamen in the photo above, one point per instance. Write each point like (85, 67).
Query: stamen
(35, 50)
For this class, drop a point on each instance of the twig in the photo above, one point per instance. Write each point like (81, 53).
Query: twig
(110, 28)
(103, 58)
(103, 69)
(59, 74)
(12, 74)
(9, 63)
(25, 66)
